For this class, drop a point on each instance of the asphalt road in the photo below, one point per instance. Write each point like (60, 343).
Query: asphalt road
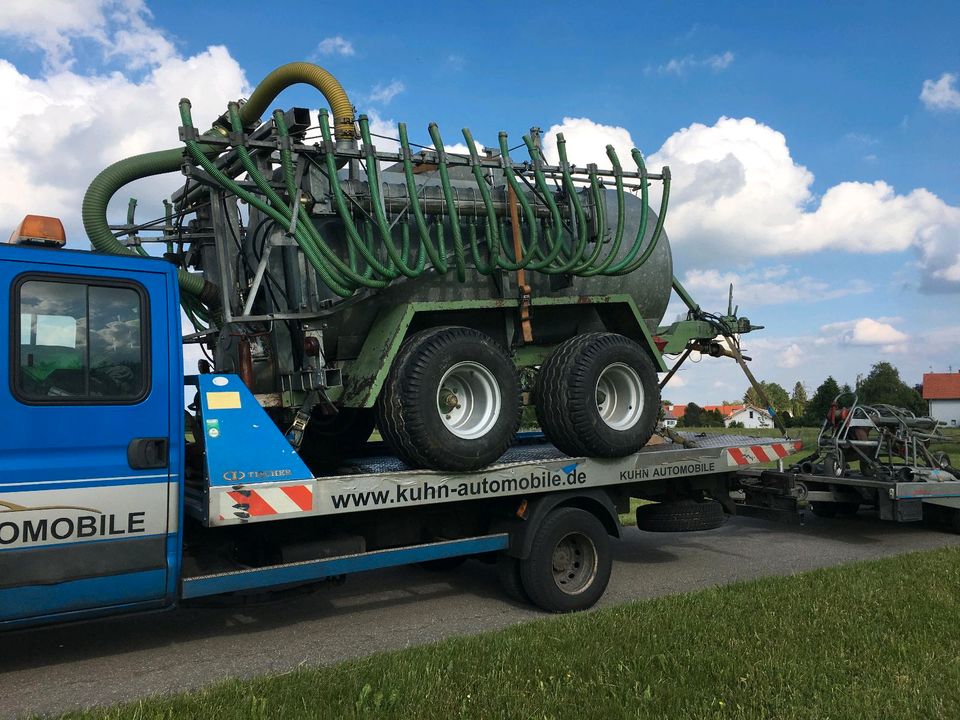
(97, 663)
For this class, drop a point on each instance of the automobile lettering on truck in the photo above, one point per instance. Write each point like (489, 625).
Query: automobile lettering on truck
(44, 518)
(379, 492)
(668, 470)
(30, 525)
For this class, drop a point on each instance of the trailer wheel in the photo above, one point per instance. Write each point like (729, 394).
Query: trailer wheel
(942, 461)
(508, 572)
(451, 400)
(834, 464)
(569, 563)
(687, 515)
(597, 394)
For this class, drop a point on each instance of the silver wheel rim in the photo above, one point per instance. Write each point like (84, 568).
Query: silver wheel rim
(619, 396)
(468, 400)
(574, 563)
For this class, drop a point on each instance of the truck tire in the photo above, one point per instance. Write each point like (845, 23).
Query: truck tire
(597, 395)
(451, 400)
(569, 563)
(680, 516)
(508, 572)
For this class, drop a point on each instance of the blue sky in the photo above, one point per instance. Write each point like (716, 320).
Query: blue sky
(830, 194)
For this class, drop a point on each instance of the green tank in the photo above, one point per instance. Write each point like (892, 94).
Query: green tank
(434, 294)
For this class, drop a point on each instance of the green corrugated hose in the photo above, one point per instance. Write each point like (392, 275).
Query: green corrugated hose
(114, 177)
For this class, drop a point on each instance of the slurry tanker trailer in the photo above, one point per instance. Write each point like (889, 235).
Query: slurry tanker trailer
(374, 321)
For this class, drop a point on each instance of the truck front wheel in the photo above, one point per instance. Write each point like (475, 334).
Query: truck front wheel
(569, 563)
(451, 400)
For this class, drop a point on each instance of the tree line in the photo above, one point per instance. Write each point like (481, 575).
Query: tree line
(882, 385)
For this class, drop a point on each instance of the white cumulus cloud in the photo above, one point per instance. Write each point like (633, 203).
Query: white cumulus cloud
(941, 94)
(335, 45)
(865, 331)
(767, 286)
(737, 191)
(689, 63)
(791, 356)
(586, 142)
(120, 28)
(385, 93)
(62, 128)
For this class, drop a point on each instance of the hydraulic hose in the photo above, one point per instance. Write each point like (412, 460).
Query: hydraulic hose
(201, 159)
(437, 259)
(583, 231)
(309, 74)
(618, 237)
(657, 229)
(305, 234)
(398, 259)
(109, 181)
(106, 184)
(459, 257)
(492, 235)
(533, 249)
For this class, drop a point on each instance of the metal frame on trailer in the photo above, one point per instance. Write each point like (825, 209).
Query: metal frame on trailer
(253, 475)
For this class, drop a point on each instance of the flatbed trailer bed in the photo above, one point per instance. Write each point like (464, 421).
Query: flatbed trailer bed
(368, 505)
(532, 467)
(790, 492)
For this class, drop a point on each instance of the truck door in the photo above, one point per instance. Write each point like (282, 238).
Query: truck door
(88, 501)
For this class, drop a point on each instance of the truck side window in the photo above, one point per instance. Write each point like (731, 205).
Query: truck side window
(79, 342)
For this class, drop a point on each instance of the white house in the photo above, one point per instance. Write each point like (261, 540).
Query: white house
(942, 393)
(749, 416)
(670, 416)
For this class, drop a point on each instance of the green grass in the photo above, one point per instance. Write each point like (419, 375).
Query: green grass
(870, 640)
(951, 446)
(630, 517)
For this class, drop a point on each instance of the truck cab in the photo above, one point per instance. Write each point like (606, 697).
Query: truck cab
(92, 439)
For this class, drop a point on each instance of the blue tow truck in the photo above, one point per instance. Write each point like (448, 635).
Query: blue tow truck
(112, 502)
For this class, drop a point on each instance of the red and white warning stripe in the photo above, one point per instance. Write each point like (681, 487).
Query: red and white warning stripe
(755, 454)
(285, 500)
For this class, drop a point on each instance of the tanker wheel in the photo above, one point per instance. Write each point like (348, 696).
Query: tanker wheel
(331, 438)
(597, 395)
(451, 400)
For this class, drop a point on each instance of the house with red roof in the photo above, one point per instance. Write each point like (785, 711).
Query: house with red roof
(749, 416)
(671, 414)
(942, 393)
